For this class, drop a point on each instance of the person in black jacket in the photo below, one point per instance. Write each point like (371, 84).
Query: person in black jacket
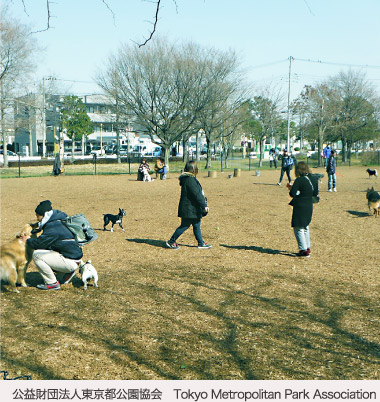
(286, 166)
(192, 206)
(55, 249)
(302, 191)
(330, 169)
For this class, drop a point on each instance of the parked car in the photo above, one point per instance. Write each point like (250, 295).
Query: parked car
(9, 153)
(157, 151)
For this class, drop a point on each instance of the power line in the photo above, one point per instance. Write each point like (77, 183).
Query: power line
(338, 64)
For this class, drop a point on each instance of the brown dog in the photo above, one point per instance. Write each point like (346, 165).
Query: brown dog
(13, 259)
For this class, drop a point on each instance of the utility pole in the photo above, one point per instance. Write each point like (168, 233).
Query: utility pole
(43, 119)
(290, 71)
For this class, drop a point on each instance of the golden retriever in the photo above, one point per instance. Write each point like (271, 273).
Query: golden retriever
(14, 259)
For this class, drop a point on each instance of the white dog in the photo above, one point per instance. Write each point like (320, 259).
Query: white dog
(146, 174)
(88, 271)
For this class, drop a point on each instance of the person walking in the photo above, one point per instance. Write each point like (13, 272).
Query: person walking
(55, 249)
(192, 206)
(286, 166)
(331, 171)
(304, 188)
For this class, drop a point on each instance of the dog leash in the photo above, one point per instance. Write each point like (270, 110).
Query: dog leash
(5, 375)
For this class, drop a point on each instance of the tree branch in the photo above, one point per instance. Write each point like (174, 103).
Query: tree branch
(154, 24)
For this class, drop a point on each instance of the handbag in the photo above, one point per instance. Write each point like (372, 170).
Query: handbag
(204, 212)
(314, 198)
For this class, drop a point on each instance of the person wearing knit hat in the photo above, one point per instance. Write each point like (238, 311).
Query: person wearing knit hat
(42, 207)
(55, 249)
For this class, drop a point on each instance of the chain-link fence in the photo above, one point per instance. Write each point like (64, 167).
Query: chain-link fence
(129, 165)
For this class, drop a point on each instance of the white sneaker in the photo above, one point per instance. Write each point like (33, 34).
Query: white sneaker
(334, 190)
(279, 184)
(330, 191)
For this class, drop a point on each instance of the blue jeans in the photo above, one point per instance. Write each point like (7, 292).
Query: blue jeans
(332, 181)
(185, 224)
(302, 237)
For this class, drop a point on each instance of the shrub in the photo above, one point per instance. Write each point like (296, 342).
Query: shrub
(370, 158)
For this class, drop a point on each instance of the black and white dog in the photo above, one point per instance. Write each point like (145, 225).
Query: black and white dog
(371, 173)
(114, 219)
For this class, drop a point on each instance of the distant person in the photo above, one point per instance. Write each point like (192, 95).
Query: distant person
(326, 153)
(140, 171)
(331, 172)
(57, 165)
(272, 158)
(286, 166)
(304, 188)
(192, 206)
(160, 168)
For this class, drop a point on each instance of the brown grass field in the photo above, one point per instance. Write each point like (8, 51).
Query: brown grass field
(245, 309)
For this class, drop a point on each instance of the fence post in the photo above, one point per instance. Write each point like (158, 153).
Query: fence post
(19, 165)
(94, 156)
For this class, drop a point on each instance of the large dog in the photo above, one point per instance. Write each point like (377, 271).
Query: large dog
(14, 259)
(373, 198)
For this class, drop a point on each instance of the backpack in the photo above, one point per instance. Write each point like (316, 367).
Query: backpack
(81, 229)
(290, 161)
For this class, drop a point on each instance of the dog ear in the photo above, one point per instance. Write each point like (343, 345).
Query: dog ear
(26, 230)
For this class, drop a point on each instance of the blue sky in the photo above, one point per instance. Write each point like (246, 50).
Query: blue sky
(264, 33)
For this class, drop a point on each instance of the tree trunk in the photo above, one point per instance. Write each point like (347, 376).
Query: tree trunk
(261, 152)
(226, 155)
(320, 143)
(167, 150)
(208, 159)
(72, 146)
(30, 138)
(83, 145)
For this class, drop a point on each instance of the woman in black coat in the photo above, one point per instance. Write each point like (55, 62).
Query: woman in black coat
(302, 191)
(192, 206)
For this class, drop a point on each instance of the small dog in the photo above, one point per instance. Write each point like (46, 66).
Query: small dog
(88, 271)
(146, 175)
(371, 173)
(373, 198)
(114, 219)
(13, 260)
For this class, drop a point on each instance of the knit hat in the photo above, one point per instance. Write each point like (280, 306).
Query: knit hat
(43, 207)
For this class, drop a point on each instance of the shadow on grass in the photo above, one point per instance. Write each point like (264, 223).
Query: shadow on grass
(260, 250)
(359, 214)
(150, 242)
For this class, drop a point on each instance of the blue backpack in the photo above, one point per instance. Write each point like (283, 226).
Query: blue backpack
(290, 161)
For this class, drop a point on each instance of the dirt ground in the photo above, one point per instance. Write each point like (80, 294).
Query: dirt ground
(245, 309)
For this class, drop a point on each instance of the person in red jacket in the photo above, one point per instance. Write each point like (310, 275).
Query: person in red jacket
(192, 206)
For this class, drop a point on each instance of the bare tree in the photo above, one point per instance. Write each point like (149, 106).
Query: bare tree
(355, 106)
(164, 87)
(265, 110)
(16, 53)
(319, 110)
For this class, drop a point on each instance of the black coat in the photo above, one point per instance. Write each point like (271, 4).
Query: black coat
(302, 192)
(192, 201)
(57, 237)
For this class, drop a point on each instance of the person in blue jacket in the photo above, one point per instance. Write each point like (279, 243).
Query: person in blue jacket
(55, 249)
(192, 206)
